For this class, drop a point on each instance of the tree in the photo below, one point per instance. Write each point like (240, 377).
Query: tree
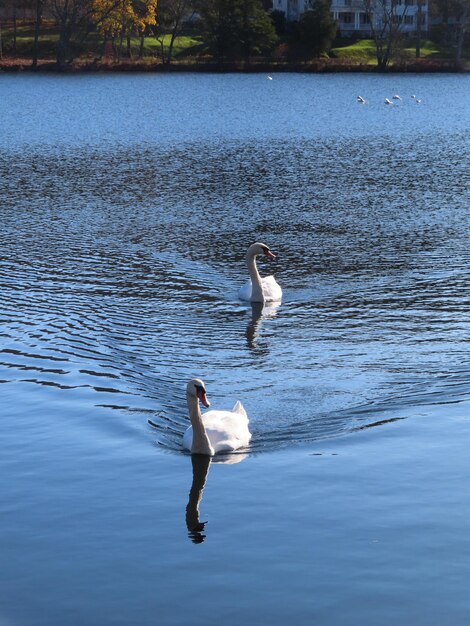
(462, 26)
(74, 21)
(257, 33)
(385, 23)
(316, 29)
(119, 19)
(279, 20)
(77, 18)
(145, 17)
(454, 24)
(419, 18)
(37, 29)
(218, 19)
(236, 28)
(172, 15)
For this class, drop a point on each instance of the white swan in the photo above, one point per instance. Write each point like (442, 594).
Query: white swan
(215, 431)
(259, 289)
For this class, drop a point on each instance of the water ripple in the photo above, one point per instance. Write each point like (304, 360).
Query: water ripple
(123, 265)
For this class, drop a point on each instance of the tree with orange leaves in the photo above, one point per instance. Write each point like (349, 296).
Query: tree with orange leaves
(119, 19)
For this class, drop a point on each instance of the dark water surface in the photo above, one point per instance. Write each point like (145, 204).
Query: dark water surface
(128, 203)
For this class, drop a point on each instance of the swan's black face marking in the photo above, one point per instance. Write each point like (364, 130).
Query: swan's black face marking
(201, 395)
(268, 253)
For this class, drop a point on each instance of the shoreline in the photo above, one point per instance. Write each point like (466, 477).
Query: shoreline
(423, 66)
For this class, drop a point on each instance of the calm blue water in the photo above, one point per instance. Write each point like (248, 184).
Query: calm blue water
(128, 203)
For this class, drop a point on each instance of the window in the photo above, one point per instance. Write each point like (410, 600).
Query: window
(365, 18)
(408, 19)
(347, 18)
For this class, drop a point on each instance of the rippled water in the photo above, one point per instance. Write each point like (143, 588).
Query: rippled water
(128, 204)
(121, 259)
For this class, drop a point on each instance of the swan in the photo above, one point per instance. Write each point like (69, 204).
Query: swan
(215, 431)
(259, 289)
(387, 101)
(360, 99)
(396, 97)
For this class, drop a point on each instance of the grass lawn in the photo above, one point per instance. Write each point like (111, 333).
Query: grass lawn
(184, 46)
(363, 51)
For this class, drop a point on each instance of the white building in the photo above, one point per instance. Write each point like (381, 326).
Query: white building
(353, 19)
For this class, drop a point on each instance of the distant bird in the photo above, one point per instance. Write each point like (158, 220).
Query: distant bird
(269, 77)
(360, 99)
(387, 101)
(396, 97)
(413, 96)
(418, 101)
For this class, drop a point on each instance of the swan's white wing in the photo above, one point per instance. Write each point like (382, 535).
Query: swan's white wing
(239, 408)
(226, 430)
(244, 292)
(271, 290)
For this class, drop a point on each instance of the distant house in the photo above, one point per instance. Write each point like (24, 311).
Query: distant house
(353, 19)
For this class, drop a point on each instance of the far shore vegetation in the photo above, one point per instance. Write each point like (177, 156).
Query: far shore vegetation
(221, 35)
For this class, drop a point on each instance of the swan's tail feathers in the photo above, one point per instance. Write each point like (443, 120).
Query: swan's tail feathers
(238, 408)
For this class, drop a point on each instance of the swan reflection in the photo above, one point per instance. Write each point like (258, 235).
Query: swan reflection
(259, 311)
(201, 464)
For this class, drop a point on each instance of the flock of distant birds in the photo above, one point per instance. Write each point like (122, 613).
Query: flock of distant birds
(394, 99)
(390, 101)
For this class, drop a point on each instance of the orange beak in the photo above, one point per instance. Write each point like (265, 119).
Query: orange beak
(201, 394)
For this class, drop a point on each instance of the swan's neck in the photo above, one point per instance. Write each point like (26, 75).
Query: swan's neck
(256, 284)
(201, 443)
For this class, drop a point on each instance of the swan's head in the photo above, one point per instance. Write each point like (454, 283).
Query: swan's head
(197, 389)
(260, 248)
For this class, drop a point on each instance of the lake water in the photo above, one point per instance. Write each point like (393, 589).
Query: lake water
(128, 203)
